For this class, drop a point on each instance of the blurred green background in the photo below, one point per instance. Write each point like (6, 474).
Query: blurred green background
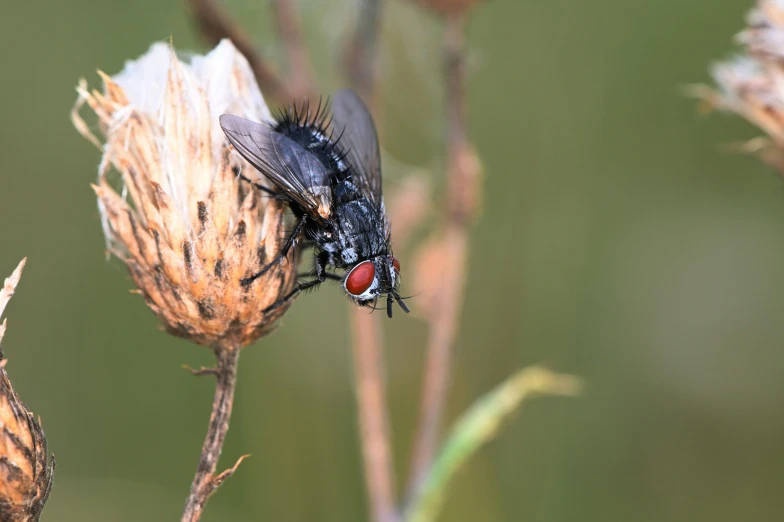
(618, 242)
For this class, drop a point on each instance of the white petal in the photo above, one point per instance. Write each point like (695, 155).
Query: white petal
(144, 79)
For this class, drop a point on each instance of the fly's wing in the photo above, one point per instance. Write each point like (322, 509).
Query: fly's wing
(294, 170)
(351, 121)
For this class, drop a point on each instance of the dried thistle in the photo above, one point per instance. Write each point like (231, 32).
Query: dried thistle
(26, 472)
(752, 84)
(191, 231)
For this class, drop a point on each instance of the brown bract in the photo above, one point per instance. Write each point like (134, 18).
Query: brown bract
(180, 218)
(25, 469)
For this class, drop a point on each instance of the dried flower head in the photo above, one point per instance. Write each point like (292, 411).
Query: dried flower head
(752, 84)
(191, 230)
(26, 472)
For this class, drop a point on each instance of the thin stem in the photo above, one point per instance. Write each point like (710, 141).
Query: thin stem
(463, 188)
(373, 422)
(438, 358)
(205, 482)
(368, 346)
(215, 24)
(300, 76)
(361, 53)
(455, 76)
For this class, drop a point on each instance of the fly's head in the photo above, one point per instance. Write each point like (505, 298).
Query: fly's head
(370, 280)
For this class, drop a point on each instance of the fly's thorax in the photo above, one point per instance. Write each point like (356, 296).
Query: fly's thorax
(312, 136)
(360, 232)
(344, 191)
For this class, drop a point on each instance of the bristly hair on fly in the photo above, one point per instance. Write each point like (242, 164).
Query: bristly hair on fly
(294, 118)
(297, 122)
(326, 165)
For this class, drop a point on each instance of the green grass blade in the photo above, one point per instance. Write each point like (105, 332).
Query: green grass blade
(477, 426)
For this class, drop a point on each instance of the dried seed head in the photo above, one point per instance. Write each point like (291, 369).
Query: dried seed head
(185, 225)
(25, 469)
(752, 84)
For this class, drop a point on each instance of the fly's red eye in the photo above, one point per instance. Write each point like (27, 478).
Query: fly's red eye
(396, 264)
(360, 278)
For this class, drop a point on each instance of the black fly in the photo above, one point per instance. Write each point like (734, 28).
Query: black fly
(328, 170)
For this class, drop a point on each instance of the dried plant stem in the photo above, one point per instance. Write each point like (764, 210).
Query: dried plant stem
(360, 55)
(215, 24)
(300, 77)
(373, 422)
(438, 358)
(367, 339)
(463, 173)
(206, 481)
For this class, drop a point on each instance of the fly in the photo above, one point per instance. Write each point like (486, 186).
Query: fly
(328, 171)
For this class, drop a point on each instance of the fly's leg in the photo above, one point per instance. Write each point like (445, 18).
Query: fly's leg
(274, 193)
(282, 254)
(321, 275)
(264, 189)
(327, 275)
